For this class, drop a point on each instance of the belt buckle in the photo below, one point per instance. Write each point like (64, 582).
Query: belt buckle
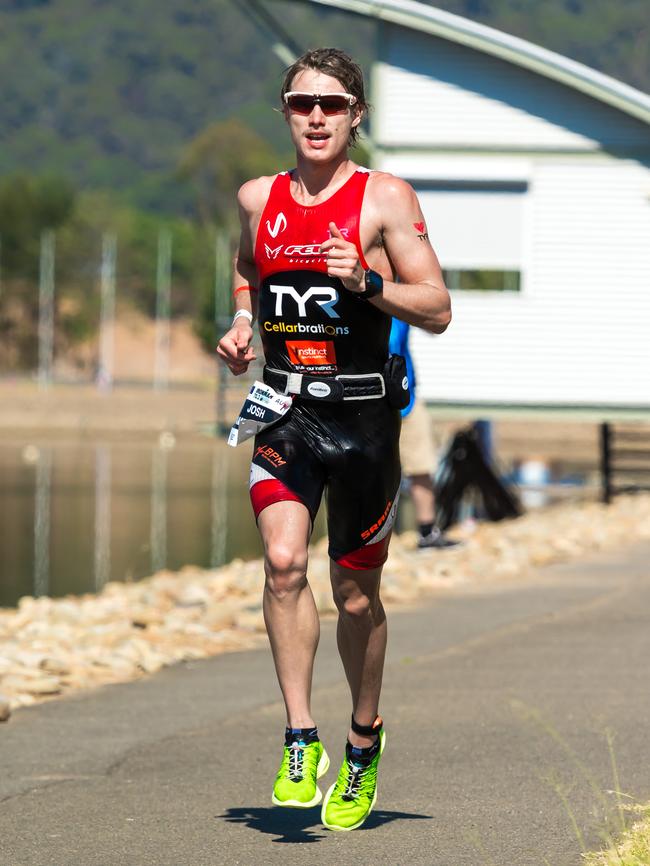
(294, 383)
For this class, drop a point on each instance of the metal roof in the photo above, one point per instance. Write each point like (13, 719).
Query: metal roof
(428, 19)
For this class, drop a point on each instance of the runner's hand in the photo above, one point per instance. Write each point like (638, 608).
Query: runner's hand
(343, 260)
(235, 348)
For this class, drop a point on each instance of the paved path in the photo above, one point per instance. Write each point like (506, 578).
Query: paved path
(496, 701)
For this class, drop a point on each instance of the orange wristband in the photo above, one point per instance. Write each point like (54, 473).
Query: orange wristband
(244, 289)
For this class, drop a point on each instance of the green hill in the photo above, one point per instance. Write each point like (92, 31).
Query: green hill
(109, 92)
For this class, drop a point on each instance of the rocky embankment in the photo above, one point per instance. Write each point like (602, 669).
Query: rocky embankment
(51, 647)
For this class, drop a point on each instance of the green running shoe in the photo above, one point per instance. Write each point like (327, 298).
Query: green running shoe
(352, 797)
(302, 764)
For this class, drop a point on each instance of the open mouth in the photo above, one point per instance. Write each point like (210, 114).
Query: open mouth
(317, 136)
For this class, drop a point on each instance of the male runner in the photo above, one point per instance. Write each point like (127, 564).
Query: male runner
(321, 247)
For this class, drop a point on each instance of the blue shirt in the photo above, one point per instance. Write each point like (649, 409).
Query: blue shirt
(398, 344)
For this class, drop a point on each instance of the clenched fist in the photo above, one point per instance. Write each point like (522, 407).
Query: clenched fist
(235, 348)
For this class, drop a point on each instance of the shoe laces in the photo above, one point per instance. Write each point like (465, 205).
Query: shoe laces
(353, 781)
(296, 758)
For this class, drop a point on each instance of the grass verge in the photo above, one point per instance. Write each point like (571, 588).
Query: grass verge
(633, 848)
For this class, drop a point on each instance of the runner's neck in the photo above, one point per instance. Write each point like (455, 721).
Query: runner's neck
(311, 184)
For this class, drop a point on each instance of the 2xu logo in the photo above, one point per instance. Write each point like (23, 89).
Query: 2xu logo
(329, 297)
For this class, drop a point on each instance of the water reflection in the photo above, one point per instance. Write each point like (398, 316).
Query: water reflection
(76, 513)
(159, 507)
(42, 522)
(102, 515)
(219, 510)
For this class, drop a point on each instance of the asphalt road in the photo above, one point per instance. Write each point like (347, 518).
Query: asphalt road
(497, 701)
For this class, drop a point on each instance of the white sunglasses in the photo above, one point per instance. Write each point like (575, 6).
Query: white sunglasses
(329, 103)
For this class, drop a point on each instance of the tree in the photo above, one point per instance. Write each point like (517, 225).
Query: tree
(28, 206)
(218, 161)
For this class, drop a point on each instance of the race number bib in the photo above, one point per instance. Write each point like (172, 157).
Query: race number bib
(263, 406)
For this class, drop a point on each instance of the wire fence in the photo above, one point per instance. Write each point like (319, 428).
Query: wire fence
(35, 310)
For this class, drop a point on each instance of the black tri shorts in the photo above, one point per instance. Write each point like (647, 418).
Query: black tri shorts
(350, 450)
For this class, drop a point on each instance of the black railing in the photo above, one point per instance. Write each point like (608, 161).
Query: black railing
(624, 458)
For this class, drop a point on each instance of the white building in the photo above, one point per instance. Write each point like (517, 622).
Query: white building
(534, 176)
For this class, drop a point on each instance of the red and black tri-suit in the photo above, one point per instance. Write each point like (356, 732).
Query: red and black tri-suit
(310, 324)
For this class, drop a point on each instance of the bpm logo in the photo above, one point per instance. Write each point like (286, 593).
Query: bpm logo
(266, 452)
(279, 225)
(329, 296)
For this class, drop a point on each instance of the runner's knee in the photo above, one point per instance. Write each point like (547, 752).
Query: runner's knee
(356, 604)
(286, 569)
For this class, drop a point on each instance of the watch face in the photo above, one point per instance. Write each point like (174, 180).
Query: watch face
(374, 282)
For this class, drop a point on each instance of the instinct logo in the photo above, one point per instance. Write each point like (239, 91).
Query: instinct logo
(279, 225)
(272, 253)
(405, 383)
(268, 453)
(375, 526)
(308, 354)
(319, 389)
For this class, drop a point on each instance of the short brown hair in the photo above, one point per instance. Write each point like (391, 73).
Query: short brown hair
(337, 64)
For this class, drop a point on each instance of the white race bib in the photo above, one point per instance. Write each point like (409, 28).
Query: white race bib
(263, 406)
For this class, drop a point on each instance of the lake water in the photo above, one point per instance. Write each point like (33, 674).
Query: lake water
(75, 513)
(78, 512)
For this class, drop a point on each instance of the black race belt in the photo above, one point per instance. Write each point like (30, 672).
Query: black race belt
(332, 389)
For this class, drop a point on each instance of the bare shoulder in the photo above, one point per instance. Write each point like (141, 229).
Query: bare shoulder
(391, 198)
(253, 194)
(390, 190)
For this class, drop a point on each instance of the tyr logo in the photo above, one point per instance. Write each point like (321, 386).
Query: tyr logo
(421, 229)
(330, 297)
(272, 253)
(279, 225)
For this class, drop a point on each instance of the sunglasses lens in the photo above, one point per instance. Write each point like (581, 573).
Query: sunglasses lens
(333, 104)
(303, 103)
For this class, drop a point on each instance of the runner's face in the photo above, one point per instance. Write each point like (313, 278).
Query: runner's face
(319, 137)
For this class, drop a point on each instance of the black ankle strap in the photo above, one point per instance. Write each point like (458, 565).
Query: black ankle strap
(367, 730)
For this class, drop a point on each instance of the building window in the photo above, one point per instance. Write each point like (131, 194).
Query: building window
(482, 280)
(476, 229)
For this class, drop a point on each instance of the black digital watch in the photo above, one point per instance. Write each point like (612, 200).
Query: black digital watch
(374, 284)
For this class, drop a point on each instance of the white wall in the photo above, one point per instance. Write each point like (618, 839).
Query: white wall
(579, 331)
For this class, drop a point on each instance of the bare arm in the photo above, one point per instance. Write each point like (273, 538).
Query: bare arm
(234, 347)
(420, 297)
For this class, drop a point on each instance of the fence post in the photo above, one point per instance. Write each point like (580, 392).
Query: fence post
(163, 309)
(222, 313)
(107, 314)
(46, 310)
(606, 461)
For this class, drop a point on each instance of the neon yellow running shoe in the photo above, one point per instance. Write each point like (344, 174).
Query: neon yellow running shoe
(302, 764)
(352, 797)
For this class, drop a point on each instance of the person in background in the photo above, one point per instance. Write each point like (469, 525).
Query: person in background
(416, 450)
